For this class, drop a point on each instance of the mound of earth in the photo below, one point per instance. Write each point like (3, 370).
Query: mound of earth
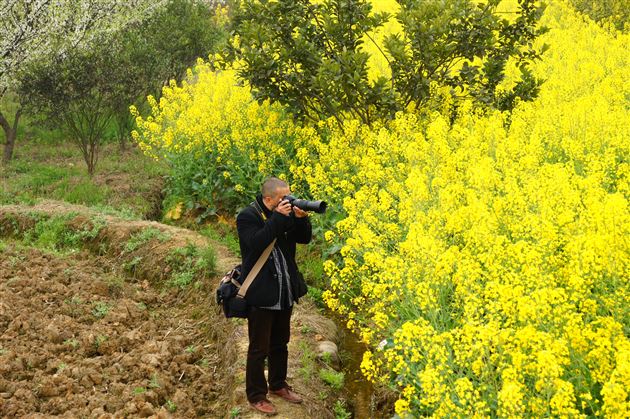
(150, 259)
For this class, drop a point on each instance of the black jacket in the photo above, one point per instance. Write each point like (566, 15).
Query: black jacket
(254, 236)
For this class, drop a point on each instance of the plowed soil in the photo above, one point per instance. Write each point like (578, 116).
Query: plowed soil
(82, 337)
(78, 338)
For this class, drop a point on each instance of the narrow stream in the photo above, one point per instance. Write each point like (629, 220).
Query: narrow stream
(357, 390)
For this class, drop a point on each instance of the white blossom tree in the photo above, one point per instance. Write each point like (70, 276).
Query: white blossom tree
(32, 30)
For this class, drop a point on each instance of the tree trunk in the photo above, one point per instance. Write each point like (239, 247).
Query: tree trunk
(122, 141)
(10, 133)
(124, 123)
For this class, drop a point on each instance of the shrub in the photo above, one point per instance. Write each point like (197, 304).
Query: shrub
(219, 142)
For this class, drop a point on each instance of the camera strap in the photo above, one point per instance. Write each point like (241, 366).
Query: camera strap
(260, 211)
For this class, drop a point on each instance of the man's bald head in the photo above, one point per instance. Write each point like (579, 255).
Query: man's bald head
(271, 185)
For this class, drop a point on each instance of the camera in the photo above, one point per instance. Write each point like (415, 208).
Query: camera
(315, 206)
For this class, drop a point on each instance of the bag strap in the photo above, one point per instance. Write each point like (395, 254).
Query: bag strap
(260, 262)
(259, 210)
(252, 274)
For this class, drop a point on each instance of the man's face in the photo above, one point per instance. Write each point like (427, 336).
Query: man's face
(273, 201)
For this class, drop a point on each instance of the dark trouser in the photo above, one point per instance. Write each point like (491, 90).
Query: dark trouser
(269, 332)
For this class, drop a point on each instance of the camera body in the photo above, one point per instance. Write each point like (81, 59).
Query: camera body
(315, 206)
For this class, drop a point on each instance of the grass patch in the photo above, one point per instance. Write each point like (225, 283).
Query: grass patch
(74, 304)
(55, 233)
(101, 309)
(154, 383)
(331, 377)
(40, 178)
(86, 192)
(99, 340)
(307, 361)
(45, 168)
(312, 266)
(315, 294)
(223, 233)
(341, 410)
(190, 262)
(170, 406)
(144, 236)
(132, 265)
(311, 262)
(72, 342)
(115, 284)
(125, 213)
(139, 390)
(182, 279)
(307, 330)
(10, 226)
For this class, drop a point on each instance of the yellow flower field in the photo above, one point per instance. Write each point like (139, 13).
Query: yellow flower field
(485, 263)
(489, 267)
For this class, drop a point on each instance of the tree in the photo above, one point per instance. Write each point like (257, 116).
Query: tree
(152, 52)
(308, 56)
(87, 88)
(613, 12)
(311, 56)
(41, 30)
(75, 93)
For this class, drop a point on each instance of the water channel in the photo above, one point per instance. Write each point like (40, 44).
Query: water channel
(364, 401)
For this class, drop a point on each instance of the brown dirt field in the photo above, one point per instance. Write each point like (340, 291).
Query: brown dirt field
(78, 339)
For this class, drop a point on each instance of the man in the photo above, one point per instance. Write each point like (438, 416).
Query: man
(273, 292)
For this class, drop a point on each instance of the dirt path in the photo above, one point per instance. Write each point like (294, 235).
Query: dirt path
(81, 338)
(305, 317)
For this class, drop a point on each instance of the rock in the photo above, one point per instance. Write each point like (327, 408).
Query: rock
(163, 414)
(327, 351)
(100, 288)
(53, 334)
(99, 413)
(150, 397)
(76, 373)
(6, 386)
(133, 335)
(96, 378)
(146, 410)
(150, 359)
(49, 390)
(180, 397)
(85, 381)
(130, 408)
(24, 394)
(114, 405)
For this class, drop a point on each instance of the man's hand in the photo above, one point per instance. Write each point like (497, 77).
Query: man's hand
(299, 213)
(284, 208)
